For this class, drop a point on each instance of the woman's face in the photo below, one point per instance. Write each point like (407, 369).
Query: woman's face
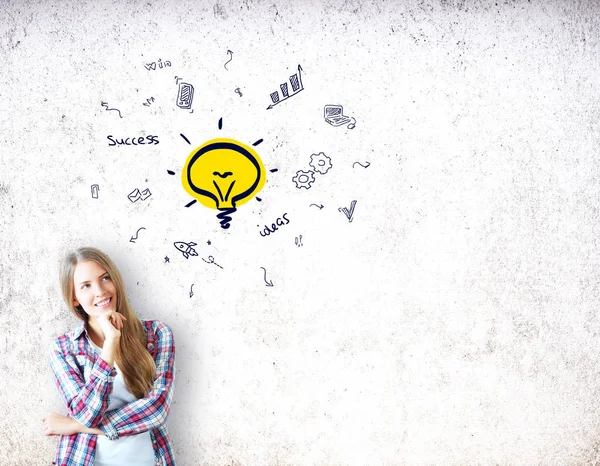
(94, 289)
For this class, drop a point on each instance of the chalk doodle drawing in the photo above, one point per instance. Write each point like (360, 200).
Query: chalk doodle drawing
(105, 105)
(268, 283)
(185, 95)
(231, 58)
(304, 179)
(134, 238)
(187, 249)
(297, 86)
(136, 195)
(95, 189)
(211, 260)
(334, 115)
(320, 163)
(348, 212)
(152, 66)
(223, 174)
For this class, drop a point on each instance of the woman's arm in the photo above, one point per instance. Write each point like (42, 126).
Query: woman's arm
(86, 402)
(152, 410)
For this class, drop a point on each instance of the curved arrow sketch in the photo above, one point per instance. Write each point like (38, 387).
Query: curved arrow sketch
(191, 292)
(364, 166)
(270, 282)
(231, 58)
(133, 238)
(317, 205)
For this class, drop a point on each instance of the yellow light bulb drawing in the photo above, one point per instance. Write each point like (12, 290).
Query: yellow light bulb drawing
(223, 174)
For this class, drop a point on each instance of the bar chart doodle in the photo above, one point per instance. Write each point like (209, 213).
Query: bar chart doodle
(296, 83)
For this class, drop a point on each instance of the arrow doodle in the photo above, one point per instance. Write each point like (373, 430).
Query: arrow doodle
(191, 292)
(317, 205)
(133, 238)
(270, 282)
(231, 55)
(364, 166)
(104, 104)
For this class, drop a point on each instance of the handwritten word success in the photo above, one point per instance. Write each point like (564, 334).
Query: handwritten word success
(132, 141)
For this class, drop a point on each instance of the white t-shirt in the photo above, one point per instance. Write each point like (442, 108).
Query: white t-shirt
(132, 450)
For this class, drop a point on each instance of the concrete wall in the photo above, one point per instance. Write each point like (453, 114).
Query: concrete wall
(452, 322)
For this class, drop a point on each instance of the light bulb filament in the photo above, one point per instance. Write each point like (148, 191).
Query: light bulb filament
(221, 194)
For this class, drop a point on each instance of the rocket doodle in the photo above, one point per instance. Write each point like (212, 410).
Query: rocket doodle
(186, 248)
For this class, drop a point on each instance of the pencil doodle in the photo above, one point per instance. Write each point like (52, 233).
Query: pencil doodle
(304, 179)
(334, 115)
(167, 259)
(268, 283)
(133, 238)
(348, 212)
(95, 189)
(317, 205)
(278, 223)
(185, 248)
(185, 95)
(136, 195)
(152, 66)
(191, 292)
(148, 102)
(211, 260)
(104, 104)
(320, 163)
(364, 166)
(237, 90)
(299, 241)
(231, 58)
(297, 86)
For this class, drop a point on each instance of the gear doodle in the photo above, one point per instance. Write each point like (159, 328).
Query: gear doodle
(320, 163)
(304, 179)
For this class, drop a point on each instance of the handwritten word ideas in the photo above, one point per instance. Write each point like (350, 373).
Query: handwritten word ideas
(267, 231)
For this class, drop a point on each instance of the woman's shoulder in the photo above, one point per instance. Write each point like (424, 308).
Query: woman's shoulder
(157, 327)
(66, 341)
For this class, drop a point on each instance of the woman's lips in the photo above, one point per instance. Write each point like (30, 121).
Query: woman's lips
(104, 303)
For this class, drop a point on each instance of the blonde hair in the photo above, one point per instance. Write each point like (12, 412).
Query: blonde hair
(132, 356)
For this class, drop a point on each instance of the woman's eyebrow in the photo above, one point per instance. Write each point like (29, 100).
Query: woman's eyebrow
(99, 276)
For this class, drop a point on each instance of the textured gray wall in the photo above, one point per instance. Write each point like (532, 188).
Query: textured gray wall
(452, 322)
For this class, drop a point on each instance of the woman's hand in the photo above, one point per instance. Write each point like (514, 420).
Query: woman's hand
(57, 424)
(111, 323)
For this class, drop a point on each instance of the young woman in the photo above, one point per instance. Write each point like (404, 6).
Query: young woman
(114, 373)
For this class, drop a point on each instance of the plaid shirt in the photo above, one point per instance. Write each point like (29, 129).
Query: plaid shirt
(85, 382)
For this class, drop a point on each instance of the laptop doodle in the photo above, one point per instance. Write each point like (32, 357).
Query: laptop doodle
(334, 115)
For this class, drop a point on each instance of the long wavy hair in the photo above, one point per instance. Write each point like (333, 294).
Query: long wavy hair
(131, 356)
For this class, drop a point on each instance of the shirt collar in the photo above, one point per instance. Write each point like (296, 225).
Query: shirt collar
(78, 331)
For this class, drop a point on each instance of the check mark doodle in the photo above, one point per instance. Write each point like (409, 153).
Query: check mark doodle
(231, 55)
(270, 282)
(133, 238)
(348, 212)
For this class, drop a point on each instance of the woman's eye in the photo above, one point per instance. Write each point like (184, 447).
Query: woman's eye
(106, 277)
(85, 286)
